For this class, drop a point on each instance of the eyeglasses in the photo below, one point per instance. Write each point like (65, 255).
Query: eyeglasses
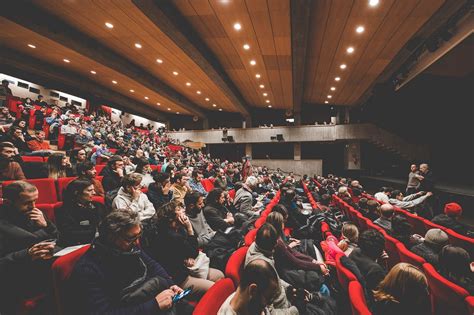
(130, 240)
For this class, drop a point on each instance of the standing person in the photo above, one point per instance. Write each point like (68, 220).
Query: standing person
(4, 92)
(427, 184)
(413, 180)
(9, 169)
(246, 168)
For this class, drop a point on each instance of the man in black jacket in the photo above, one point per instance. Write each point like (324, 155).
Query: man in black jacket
(113, 173)
(449, 219)
(25, 253)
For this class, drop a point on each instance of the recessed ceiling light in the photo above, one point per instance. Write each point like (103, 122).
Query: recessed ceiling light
(267, 101)
(262, 86)
(109, 25)
(329, 96)
(237, 26)
(257, 76)
(177, 113)
(159, 60)
(343, 66)
(31, 46)
(198, 92)
(360, 29)
(133, 91)
(337, 79)
(373, 3)
(146, 97)
(214, 105)
(326, 102)
(188, 83)
(253, 62)
(175, 73)
(350, 50)
(114, 82)
(269, 106)
(169, 108)
(246, 46)
(159, 104)
(66, 60)
(265, 94)
(333, 88)
(138, 45)
(207, 99)
(93, 72)
(220, 109)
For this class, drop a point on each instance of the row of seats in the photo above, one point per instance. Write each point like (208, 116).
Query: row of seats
(446, 297)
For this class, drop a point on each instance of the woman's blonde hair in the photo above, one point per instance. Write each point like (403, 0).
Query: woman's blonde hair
(351, 232)
(277, 220)
(404, 283)
(55, 168)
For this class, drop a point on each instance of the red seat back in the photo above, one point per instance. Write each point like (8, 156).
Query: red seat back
(235, 264)
(362, 222)
(430, 225)
(470, 304)
(99, 168)
(392, 251)
(48, 211)
(207, 184)
(61, 141)
(409, 257)
(46, 189)
(416, 222)
(250, 237)
(62, 269)
(446, 297)
(232, 193)
(260, 221)
(62, 184)
(357, 299)
(211, 302)
(27, 159)
(462, 241)
(344, 275)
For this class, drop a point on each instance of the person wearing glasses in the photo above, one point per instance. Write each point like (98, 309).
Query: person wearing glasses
(116, 277)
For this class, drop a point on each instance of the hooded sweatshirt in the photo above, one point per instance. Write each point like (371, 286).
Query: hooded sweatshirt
(142, 205)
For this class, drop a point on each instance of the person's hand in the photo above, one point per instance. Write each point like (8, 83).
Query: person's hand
(343, 245)
(429, 194)
(294, 243)
(189, 262)
(415, 238)
(176, 289)
(384, 255)
(36, 216)
(119, 171)
(230, 218)
(165, 299)
(42, 250)
(136, 192)
(184, 220)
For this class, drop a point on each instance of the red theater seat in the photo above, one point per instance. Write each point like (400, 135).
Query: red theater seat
(99, 168)
(27, 159)
(46, 189)
(207, 184)
(462, 241)
(430, 225)
(417, 224)
(446, 297)
(62, 269)
(409, 257)
(235, 264)
(62, 184)
(344, 275)
(48, 211)
(250, 237)
(260, 221)
(392, 251)
(211, 302)
(357, 299)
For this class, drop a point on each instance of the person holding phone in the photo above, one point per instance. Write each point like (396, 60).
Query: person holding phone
(27, 244)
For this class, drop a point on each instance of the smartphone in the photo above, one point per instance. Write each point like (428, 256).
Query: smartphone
(181, 295)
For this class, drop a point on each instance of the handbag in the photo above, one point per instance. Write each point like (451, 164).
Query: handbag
(201, 266)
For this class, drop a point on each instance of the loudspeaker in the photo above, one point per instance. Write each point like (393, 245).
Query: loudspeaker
(280, 137)
(230, 138)
(224, 139)
(273, 138)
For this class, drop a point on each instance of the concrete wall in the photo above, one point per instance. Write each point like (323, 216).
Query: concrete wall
(24, 93)
(301, 167)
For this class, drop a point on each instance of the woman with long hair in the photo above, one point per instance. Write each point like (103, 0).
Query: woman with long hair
(59, 166)
(79, 216)
(404, 290)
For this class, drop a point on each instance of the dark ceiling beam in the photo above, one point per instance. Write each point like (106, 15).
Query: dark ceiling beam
(16, 63)
(444, 13)
(172, 23)
(300, 21)
(42, 22)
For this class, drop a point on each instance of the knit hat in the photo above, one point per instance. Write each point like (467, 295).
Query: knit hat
(437, 238)
(452, 209)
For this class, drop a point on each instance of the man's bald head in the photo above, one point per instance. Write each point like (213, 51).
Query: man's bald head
(386, 210)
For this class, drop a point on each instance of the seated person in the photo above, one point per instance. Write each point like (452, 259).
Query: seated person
(401, 230)
(6, 118)
(16, 137)
(58, 166)
(429, 249)
(371, 248)
(78, 218)
(455, 265)
(160, 191)
(115, 277)
(143, 168)
(409, 202)
(221, 180)
(175, 246)
(216, 214)
(9, 169)
(113, 173)
(450, 218)
(385, 220)
(38, 143)
(373, 210)
(243, 199)
(27, 242)
(195, 182)
(403, 291)
(384, 194)
(258, 283)
(180, 187)
(77, 156)
(194, 204)
(349, 238)
(130, 196)
(86, 171)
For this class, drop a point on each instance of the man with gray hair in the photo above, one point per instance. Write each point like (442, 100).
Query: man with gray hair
(116, 277)
(243, 200)
(27, 243)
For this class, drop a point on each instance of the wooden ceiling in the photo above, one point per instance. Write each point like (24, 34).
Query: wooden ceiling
(181, 75)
